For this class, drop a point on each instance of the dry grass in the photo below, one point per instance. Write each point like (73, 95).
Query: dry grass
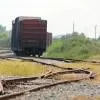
(86, 98)
(19, 68)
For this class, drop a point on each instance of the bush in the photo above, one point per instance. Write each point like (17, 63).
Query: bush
(74, 46)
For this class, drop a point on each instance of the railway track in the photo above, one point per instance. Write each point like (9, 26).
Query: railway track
(9, 54)
(38, 60)
(33, 84)
(20, 86)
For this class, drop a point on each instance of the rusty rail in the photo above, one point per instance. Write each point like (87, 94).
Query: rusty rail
(58, 59)
(66, 71)
(13, 95)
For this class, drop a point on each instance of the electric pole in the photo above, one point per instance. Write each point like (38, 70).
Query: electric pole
(95, 31)
(73, 27)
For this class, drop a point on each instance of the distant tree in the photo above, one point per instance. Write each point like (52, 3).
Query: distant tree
(82, 34)
(4, 37)
(2, 29)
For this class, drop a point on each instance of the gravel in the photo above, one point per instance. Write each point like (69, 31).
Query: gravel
(63, 92)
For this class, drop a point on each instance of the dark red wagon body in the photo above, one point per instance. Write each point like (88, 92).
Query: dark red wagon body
(49, 38)
(29, 36)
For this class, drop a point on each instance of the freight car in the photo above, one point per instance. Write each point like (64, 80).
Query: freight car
(49, 38)
(29, 36)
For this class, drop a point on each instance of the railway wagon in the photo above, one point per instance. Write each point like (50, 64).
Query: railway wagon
(29, 36)
(49, 38)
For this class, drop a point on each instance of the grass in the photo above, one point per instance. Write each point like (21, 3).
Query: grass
(19, 68)
(86, 98)
(74, 46)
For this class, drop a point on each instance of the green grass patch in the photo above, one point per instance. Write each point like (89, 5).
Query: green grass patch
(74, 46)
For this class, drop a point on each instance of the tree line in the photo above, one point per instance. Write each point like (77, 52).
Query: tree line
(5, 37)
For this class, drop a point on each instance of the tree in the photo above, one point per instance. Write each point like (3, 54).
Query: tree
(2, 29)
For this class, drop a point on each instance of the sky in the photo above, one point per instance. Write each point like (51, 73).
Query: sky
(60, 14)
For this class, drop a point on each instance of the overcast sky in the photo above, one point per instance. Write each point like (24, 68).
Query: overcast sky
(60, 14)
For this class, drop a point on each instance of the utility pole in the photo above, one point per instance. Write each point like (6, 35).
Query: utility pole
(73, 27)
(95, 28)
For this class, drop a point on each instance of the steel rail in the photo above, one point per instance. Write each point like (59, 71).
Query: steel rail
(58, 59)
(14, 95)
(76, 71)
